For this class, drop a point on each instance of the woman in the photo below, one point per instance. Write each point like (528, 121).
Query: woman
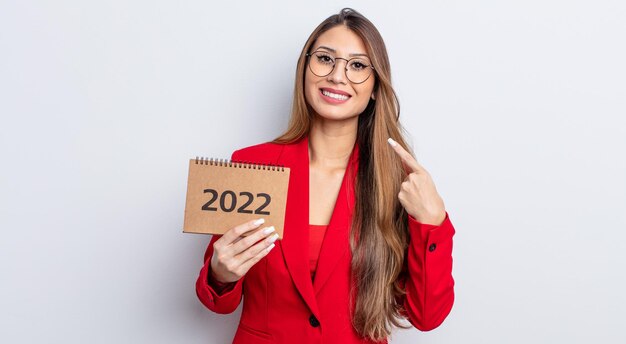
(367, 241)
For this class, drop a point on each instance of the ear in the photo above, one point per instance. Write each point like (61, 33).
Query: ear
(375, 90)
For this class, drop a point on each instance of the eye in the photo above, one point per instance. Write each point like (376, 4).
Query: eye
(324, 58)
(358, 65)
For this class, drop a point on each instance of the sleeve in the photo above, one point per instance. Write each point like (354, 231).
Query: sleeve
(219, 301)
(219, 297)
(427, 274)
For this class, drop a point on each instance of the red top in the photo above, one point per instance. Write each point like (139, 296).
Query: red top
(316, 236)
(282, 306)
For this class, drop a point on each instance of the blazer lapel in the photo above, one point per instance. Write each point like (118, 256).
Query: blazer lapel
(295, 242)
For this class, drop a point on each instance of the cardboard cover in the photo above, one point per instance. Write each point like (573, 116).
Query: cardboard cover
(222, 194)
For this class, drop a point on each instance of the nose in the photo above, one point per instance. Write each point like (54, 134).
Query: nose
(338, 75)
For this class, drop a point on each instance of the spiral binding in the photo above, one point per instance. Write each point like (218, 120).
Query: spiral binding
(238, 164)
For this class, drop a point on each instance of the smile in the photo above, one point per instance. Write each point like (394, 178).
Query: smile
(334, 97)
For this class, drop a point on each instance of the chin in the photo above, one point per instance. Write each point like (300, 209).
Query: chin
(332, 112)
(333, 116)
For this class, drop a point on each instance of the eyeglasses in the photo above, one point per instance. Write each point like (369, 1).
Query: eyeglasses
(322, 63)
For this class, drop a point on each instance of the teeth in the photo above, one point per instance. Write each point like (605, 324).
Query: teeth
(335, 96)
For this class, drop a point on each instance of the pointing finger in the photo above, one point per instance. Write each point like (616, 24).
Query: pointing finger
(408, 160)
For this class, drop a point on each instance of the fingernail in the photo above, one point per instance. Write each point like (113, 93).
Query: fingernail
(268, 230)
(259, 221)
(392, 142)
(273, 237)
(270, 247)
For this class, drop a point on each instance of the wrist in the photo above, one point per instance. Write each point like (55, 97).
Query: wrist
(430, 220)
(215, 278)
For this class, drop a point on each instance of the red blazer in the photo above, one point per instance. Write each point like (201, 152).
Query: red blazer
(280, 302)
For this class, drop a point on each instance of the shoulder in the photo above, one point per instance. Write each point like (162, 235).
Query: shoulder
(266, 152)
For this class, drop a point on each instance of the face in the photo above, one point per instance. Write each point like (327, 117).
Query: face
(334, 96)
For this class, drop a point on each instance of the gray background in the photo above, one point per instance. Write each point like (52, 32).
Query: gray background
(515, 107)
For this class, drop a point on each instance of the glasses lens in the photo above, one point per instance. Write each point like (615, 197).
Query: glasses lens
(321, 63)
(358, 69)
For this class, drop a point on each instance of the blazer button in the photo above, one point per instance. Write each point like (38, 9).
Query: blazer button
(313, 321)
(432, 247)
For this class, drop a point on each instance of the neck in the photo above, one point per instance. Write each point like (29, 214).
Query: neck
(331, 142)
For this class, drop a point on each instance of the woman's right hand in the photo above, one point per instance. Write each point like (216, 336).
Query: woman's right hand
(234, 254)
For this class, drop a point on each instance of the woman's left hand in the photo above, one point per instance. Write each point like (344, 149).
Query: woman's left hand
(418, 194)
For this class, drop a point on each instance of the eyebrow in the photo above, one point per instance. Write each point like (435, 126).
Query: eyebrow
(335, 51)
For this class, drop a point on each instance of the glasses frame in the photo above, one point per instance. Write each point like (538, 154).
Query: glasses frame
(308, 55)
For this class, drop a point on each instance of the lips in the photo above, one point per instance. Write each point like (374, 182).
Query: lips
(334, 96)
(332, 90)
